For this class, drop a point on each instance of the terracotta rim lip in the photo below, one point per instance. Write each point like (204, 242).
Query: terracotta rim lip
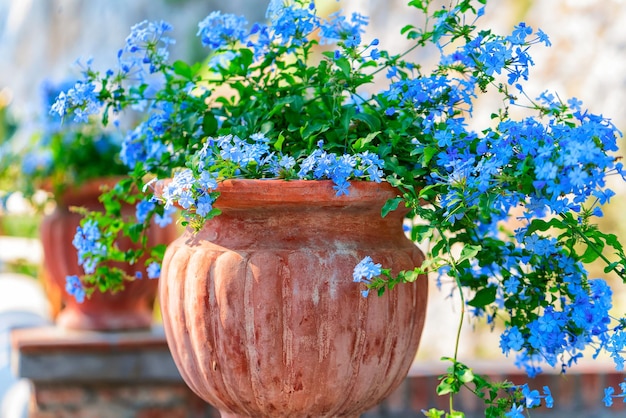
(90, 189)
(243, 193)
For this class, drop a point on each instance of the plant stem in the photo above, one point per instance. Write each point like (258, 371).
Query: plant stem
(591, 245)
(462, 316)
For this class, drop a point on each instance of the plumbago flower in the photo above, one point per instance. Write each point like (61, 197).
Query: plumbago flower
(55, 156)
(505, 210)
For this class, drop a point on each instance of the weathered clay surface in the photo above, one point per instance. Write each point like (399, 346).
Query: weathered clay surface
(260, 310)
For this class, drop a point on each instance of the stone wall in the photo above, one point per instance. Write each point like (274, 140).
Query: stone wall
(85, 374)
(77, 374)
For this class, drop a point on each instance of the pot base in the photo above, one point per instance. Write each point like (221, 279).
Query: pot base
(109, 321)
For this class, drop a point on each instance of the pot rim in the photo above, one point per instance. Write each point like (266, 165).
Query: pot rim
(248, 193)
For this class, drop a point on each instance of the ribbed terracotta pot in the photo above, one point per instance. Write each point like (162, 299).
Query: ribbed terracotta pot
(129, 309)
(260, 311)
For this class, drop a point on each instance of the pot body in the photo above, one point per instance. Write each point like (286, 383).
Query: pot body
(260, 311)
(129, 309)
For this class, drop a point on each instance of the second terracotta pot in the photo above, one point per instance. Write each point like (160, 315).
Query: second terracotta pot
(129, 309)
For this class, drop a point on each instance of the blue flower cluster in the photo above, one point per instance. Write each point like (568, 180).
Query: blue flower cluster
(81, 99)
(145, 52)
(74, 287)
(609, 394)
(517, 198)
(339, 28)
(86, 241)
(154, 270)
(145, 210)
(142, 145)
(146, 48)
(365, 271)
(542, 171)
(229, 156)
(218, 30)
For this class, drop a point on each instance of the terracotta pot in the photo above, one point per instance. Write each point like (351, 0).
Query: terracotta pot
(129, 309)
(260, 311)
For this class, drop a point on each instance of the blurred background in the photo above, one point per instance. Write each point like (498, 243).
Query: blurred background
(40, 41)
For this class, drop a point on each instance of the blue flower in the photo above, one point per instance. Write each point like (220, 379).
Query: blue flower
(154, 270)
(515, 412)
(511, 285)
(365, 271)
(521, 31)
(608, 396)
(186, 199)
(146, 46)
(337, 28)
(74, 287)
(533, 398)
(143, 208)
(548, 397)
(37, 161)
(291, 23)
(511, 339)
(142, 144)
(342, 188)
(86, 241)
(542, 37)
(80, 99)
(207, 180)
(166, 218)
(204, 205)
(222, 29)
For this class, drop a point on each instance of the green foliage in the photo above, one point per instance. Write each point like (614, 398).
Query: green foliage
(505, 212)
(61, 157)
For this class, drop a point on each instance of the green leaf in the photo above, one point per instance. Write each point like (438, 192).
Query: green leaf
(419, 4)
(465, 375)
(362, 142)
(183, 69)
(429, 153)
(346, 117)
(541, 225)
(483, 297)
(437, 248)
(209, 124)
(592, 252)
(434, 413)
(344, 66)
(158, 251)
(612, 240)
(372, 121)
(245, 59)
(445, 387)
(406, 28)
(134, 231)
(313, 129)
(410, 276)
(426, 191)
(390, 205)
(468, 252)
(278, 145)
(609, 268)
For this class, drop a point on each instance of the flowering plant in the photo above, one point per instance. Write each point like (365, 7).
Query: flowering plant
(505, 209)
(56, 156)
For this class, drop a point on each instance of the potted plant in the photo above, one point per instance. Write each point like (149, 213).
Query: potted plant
(62, 169)
(297, 128)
